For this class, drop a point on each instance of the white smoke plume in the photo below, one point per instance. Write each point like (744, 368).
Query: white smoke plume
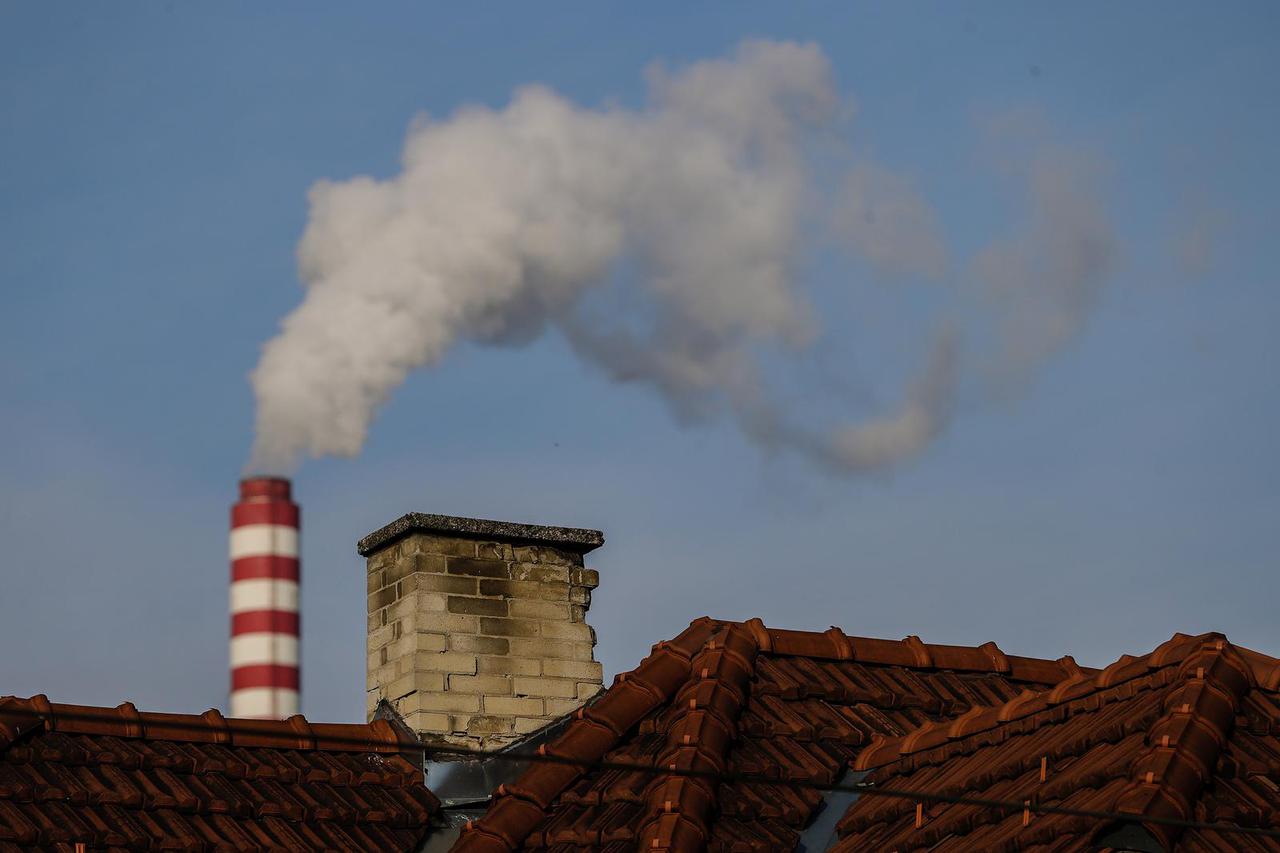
(503, 223)
(882, 217)
(1044, 280)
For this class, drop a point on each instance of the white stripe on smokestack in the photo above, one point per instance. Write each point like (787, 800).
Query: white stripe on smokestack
(265, 670)
(248, 596)
(261, 702)
(255, 540)
(263, 648)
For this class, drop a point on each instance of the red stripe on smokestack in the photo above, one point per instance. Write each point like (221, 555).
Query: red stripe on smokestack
(265, 513)
(248, 568)
(264, 675)
(265, 621)
(265, 631)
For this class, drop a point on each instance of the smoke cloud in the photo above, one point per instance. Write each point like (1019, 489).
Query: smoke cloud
(504, 224)
(886, 220)
(1043, 281)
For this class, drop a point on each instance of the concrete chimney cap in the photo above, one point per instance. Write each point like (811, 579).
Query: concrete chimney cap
(575, 539)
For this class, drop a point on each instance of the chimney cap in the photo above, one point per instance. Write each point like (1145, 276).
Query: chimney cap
(265, 488)
(575, 539)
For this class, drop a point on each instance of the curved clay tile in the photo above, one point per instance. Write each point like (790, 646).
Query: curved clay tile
(795, 706)
(518, 808)
(1266, 669)
(999, 662)
(1070, 688)
(840, 644)
(1025, 703)
(1187, 740)
(118, 777)
(1029, 702)
(1125, 668)
(1146, 736)
(834, 644)
(681, 809)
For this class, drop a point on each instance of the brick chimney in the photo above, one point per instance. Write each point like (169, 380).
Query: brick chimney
(477, 629)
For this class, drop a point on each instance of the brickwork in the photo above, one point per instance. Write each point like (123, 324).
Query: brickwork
(477, 642)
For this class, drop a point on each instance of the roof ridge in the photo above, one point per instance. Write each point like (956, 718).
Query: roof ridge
(1184, 744)
(19, 716)
(1266, 669)
(18, 719)
(882, 750)
(835, 644)
(216, 790)
(518, 808)
(680, 808)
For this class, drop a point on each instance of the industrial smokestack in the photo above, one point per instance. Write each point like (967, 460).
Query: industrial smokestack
(265, 670)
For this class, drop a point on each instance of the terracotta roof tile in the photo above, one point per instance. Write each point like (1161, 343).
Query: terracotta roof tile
(700, 732)
(519, 808)
(117, 777)
(1164, 735)
(1190, 730)
(793, 706)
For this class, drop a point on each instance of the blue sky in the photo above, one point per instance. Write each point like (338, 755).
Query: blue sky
(154, 166)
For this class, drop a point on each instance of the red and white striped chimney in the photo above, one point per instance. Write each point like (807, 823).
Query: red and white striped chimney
(264, 601)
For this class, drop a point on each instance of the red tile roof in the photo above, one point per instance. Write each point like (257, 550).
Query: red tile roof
(742, 698)
(1188, 732)
(115, 777)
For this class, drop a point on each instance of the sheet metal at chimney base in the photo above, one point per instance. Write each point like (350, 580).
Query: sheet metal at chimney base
(465, 784)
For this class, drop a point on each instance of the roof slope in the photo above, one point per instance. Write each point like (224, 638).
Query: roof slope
(114, 777)
(1188, 732)
(738, 697)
